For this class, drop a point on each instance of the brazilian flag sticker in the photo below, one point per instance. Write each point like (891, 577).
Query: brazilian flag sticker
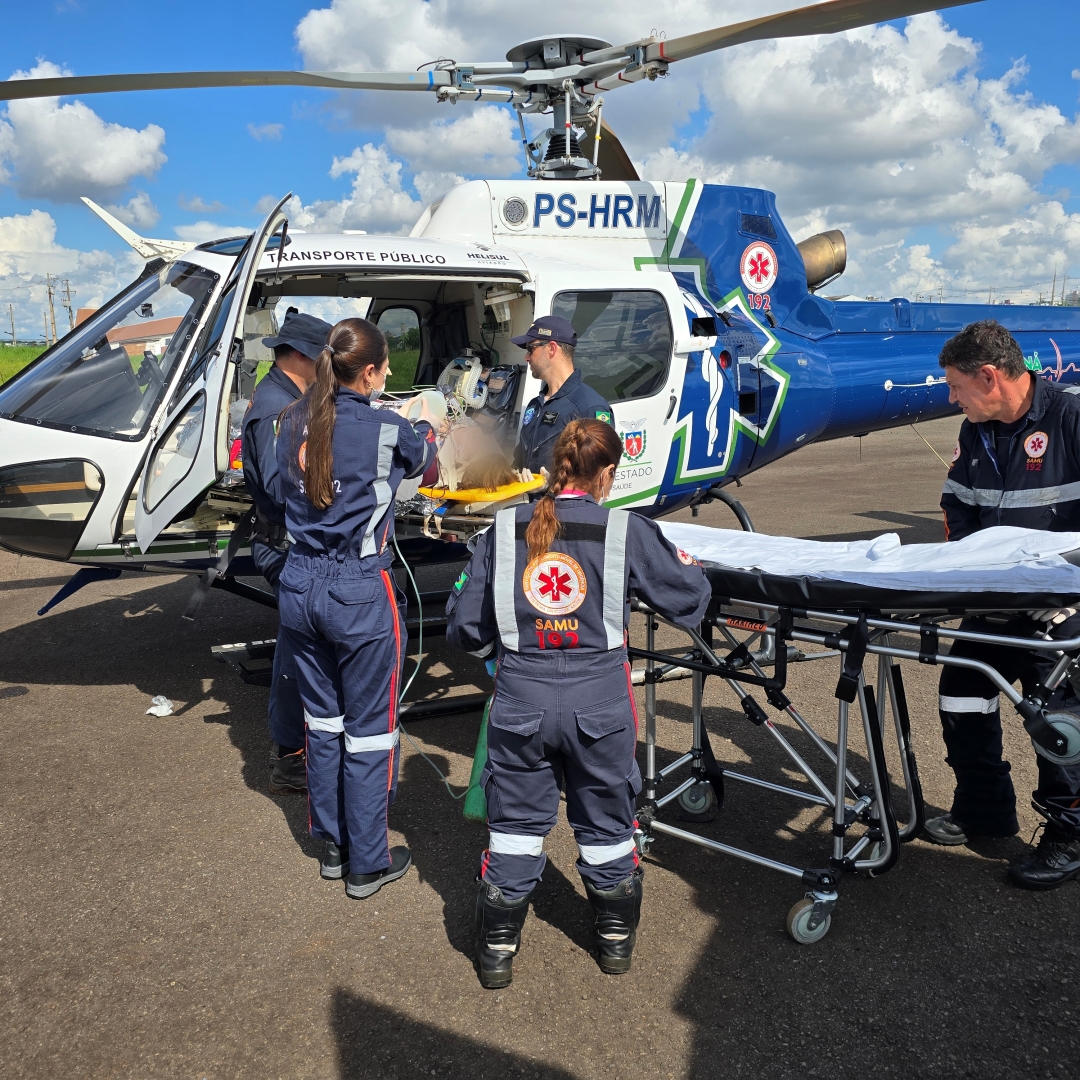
(460, 583)
(603, 414)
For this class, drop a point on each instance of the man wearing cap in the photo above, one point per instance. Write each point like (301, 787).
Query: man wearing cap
(549, 349)
(300, 339)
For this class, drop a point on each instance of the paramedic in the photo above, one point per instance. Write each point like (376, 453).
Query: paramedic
(299, 340)
(341, 461)
(549, 348)
(1017, 463)
(547, 592)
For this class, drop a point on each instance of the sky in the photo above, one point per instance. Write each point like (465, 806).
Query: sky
(947, 146)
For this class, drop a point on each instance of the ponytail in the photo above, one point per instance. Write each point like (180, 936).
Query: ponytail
(582, 452)
(354, 344)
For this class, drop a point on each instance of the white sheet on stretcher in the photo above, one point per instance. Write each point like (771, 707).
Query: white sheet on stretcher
(1002, 559)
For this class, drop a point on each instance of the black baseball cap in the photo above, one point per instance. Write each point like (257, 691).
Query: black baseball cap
(548, 328)
(304, 333)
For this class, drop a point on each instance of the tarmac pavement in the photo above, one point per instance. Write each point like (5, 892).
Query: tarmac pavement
(163, 916)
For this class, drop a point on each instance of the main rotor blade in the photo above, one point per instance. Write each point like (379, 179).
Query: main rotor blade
(188, 80)
(614, 161)
(828, 18)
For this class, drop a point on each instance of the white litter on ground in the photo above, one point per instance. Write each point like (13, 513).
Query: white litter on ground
(160, 706)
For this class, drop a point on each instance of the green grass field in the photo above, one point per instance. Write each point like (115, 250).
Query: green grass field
(403, 369)
(13, 358)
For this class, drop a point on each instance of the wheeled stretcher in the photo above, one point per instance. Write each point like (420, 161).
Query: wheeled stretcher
(774, 595)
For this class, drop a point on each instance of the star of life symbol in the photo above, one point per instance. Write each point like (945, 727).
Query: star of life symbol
(1035, 444)
(758, 267)
(554, 584)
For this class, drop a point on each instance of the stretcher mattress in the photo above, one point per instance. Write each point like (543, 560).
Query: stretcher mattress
(998, 569)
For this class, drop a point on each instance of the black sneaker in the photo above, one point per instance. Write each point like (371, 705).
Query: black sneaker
(288, 774)
(1055, 861)
(361, 886)
(335, 862)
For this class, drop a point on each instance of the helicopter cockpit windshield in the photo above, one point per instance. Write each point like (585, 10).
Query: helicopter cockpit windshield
(107, 377)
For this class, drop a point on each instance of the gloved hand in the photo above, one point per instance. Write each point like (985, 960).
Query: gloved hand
(491, 663)
(1052, 616)
(525, 476)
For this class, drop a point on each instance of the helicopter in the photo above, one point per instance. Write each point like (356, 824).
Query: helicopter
(699, 318)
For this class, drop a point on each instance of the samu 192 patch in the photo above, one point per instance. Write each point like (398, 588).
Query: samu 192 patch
(461, 582)
(603, 414)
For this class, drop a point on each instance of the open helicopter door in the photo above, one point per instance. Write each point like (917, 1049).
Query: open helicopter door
(192, 450)
(632, 343)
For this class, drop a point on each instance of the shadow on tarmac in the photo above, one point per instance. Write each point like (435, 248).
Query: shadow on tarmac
(374, 1041)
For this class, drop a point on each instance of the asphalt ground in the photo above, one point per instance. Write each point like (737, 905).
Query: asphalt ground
(163, 916)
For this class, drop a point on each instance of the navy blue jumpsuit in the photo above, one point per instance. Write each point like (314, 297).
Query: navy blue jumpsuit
(542, 422)
(1025, 474)
(269, 543)
(563, 708)
(343, 616)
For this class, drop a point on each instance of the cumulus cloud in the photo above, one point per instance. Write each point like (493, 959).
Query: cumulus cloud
(201, 231)
(29, 251)
(484, 141)
(198, 205)
(139, 211)
(59, 152)
(261, 132)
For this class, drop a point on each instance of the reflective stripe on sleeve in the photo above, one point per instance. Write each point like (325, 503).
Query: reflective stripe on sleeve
(615, 577)
(969, 704)
(512, 844)
(370, 744)
(388, 437)
(335, 725)
(599, 854)
(1017, 499)
(504, 573)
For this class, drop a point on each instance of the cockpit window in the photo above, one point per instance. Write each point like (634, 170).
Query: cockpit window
(107, 377)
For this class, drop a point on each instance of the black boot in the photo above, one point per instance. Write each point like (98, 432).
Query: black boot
(288, 773)
(1052, 863)
(335, 861)
(618, 912)
(498, 935)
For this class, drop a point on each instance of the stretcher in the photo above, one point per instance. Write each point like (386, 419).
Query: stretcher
(779, 601)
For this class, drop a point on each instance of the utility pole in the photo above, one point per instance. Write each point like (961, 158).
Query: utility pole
(1053, 289)
(65, 300)
(50, 288)
(45, 316)
(11, 316)
(990, 296)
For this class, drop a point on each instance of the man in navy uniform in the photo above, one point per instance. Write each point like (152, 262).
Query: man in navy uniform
(300, 339)
(1017, 462)
(549, 348)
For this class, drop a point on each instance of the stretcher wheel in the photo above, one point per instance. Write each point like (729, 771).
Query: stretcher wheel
(798, 923)
(699, 799)
(1068, 726)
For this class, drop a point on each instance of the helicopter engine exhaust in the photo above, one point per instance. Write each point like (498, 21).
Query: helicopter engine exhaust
(824, 256)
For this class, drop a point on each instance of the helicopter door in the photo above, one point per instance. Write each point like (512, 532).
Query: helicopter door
(625, 351)
(192, 450)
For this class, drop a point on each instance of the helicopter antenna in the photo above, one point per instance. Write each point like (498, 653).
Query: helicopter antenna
(146, 247)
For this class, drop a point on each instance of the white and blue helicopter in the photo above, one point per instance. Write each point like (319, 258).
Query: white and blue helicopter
(698, 319)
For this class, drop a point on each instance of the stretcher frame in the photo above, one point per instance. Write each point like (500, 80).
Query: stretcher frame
(865, 833)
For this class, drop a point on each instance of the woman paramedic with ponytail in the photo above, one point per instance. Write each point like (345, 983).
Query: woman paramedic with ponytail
(341, 462)
(548, 590)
